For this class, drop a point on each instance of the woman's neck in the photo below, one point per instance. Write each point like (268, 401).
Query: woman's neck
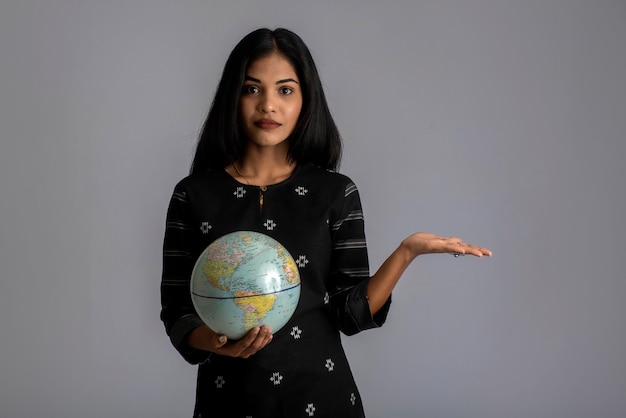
(261, 170)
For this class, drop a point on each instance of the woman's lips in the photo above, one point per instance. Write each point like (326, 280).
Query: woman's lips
(267, 124)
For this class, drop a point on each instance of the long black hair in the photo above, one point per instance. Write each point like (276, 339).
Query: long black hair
(315, 138)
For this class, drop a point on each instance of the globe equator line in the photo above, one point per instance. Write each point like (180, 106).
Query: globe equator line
(246, 296)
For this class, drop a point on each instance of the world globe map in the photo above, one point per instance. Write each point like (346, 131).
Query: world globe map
(243, 280)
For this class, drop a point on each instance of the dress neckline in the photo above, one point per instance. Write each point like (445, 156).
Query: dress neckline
(263, 187)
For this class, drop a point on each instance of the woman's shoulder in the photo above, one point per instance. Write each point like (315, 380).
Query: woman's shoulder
(325, 175)
(200, 180)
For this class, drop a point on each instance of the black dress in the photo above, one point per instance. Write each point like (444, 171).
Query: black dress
(316, 214)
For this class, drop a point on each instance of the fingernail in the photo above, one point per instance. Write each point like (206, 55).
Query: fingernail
(222, 339)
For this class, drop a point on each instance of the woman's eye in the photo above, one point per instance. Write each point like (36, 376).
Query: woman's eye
(250, 89)
(285, 90)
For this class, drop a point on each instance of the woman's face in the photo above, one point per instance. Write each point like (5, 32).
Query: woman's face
(270, 101)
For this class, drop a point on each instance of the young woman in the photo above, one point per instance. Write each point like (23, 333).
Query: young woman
(266, 162)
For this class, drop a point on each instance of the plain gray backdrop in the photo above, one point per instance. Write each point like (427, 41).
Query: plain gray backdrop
(502, 122)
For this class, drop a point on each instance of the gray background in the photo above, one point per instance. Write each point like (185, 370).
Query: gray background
(503, 122)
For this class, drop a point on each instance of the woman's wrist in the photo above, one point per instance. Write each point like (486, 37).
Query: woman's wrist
(200, 338)
(406, 251)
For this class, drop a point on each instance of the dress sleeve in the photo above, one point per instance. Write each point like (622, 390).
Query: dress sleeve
(349, 270)
(177, 311)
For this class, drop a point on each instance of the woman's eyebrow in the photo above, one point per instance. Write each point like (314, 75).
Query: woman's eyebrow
(285, 80)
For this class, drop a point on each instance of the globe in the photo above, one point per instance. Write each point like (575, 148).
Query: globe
(243, 280)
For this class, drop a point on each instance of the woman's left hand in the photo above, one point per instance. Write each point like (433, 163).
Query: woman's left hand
(384, 280)
(427, 243)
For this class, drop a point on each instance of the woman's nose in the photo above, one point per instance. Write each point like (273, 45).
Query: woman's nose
(266, 105)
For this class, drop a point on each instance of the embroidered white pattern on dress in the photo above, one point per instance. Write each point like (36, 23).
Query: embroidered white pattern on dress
(239, 192)
(276, 378)
(219, 382)
(310, 409)
(301, 190)
(352, 398)
(205, 227)
(302, 261)
(330, 365)
(326, 298)
(269, 225)
(296, 332)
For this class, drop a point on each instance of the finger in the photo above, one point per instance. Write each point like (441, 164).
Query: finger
(269, 336)
(256, 339)
(219, 340)
(249, 338)
(456, 248)
(476, 250)
(263, 338)
(237, 348)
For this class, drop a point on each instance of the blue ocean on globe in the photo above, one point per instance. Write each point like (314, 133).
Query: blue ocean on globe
(242, 280)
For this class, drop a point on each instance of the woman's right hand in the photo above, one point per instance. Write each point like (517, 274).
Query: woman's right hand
(204, 338)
